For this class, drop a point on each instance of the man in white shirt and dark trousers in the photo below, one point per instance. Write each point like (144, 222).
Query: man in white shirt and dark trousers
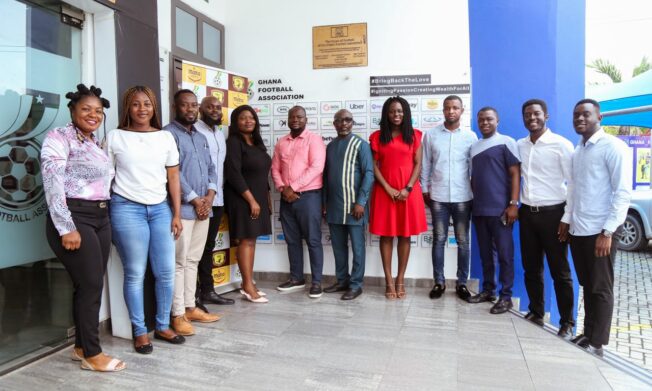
(446, 183)
(209, 125)
(602, 186)
(546, 174)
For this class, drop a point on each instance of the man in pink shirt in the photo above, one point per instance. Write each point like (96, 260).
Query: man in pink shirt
(297, 167)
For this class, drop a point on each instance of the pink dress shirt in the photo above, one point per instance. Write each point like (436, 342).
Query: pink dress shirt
(299, 162)
(73, 167)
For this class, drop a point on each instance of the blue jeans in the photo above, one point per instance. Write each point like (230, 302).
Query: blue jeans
(301, 220)
(142, 232)
(441, 214)
(340, 234)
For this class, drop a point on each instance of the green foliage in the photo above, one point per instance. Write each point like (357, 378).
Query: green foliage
(644, 66)
(605, 67)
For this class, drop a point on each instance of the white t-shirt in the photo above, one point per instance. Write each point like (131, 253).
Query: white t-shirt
(140, 160)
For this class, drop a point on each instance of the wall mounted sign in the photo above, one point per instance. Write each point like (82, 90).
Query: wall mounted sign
(339, 46)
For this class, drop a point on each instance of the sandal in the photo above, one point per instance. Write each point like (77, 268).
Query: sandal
(114, 365)
(260, 300)
(390, 293)
(260, 293)
(74, 356)
(400, 289)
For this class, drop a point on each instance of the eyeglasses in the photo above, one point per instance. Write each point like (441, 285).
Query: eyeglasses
(347, 120)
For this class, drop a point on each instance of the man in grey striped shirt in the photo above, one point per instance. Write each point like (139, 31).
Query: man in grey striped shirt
(348, 176)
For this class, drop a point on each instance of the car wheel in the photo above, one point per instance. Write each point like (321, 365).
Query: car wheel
(632, 237)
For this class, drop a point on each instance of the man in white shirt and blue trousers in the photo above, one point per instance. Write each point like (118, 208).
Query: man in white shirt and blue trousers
(545, 176)
(446, 183)
(209, 125)
(602, 187)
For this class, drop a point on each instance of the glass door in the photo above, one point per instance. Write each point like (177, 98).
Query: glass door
(41, 61)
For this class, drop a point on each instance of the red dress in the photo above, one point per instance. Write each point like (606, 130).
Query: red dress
(396, 162)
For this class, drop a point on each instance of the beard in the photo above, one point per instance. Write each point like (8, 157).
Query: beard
(344, 132)
(210, 121)
(186, 122)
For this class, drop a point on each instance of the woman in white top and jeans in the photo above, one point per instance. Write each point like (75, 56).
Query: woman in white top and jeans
(146, 223)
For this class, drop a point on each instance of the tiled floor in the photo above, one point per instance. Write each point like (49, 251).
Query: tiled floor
(295, 343)
(631, 326)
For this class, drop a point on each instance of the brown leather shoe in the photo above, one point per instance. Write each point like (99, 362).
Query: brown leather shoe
(197, 315)
(182, 326)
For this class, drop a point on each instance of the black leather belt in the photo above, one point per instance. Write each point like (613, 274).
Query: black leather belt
(300, 193)
(102, 204)
(537, 209)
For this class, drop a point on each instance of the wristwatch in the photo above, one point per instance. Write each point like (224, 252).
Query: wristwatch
(606, 233)
(408, 188)
(513, 203)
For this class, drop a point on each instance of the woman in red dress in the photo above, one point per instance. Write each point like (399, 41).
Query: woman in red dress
(397, 207)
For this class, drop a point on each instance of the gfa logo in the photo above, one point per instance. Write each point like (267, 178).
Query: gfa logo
(21, 184)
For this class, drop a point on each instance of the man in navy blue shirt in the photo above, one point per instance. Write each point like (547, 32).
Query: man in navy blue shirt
(495, 181)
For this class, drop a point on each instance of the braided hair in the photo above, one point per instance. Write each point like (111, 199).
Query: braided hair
(407, 131)
(127, 99)
(83, 92)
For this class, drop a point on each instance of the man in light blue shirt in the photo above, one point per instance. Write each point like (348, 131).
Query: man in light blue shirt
(602, 189)
(198, 188)
(446, 183)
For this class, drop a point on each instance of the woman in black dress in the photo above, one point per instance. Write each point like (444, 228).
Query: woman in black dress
(246, 192)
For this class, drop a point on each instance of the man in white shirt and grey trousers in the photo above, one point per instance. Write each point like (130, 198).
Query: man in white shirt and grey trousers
(209, 125)
(546, 175)
(602, 187)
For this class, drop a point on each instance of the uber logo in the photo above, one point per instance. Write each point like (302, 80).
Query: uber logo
(356, 106)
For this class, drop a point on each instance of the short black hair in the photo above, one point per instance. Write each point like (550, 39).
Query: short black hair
(83, 92)
(297, 107)
(590, 101)
(181, 92)
(531, 102)
(453, 97)
(489, 108)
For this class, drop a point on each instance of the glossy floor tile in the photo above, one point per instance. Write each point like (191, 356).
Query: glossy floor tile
(297, 343)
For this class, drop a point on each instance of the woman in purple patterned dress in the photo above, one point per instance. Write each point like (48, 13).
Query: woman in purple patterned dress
(77, 177)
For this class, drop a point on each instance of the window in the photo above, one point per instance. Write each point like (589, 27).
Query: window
(196, 37)
(186, 31)
(212, 45)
